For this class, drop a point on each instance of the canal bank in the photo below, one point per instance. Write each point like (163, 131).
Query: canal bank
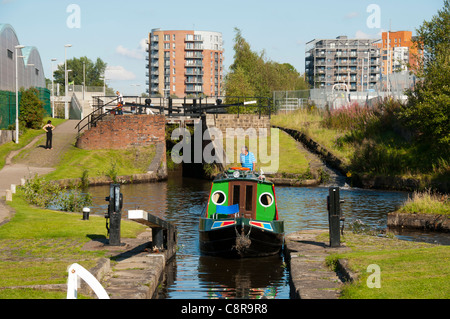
(310, 277)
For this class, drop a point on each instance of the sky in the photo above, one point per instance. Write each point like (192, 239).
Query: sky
(116, 31)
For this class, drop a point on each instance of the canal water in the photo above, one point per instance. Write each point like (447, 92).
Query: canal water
(192, 276)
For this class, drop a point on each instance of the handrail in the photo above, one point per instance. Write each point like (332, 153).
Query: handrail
(75, 271)
(190, 109)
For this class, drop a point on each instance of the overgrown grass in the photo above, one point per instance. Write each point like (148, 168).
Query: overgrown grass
(309, 122)
(26, 138)
(408, 270)
(38, 245)
(369, 140)
(77, 162)
(427, 203)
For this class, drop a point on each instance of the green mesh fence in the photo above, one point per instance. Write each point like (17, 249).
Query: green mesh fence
(8, 106)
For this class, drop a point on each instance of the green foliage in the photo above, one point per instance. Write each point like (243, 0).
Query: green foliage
(31, 111)
(251, 74)
(93, 72)
(428, 109)
(44, 193)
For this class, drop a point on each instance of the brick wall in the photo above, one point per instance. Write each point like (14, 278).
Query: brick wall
(122, 131)
(244, 121)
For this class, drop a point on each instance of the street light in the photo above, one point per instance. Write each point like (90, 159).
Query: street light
(53, 90)
(17, 92)
(66, 105)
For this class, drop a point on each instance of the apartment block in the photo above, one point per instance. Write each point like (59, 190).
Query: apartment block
(398, 52)
(354, 62)
(185, 63)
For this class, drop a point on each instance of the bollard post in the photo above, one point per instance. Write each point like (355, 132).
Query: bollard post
(114, 214)
(334, 216)
(86, 211)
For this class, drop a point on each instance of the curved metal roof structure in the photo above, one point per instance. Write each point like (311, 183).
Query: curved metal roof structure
(30, 68)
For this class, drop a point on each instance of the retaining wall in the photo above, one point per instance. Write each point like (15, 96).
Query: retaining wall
(123, 131)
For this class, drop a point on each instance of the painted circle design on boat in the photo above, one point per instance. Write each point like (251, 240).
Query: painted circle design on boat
(266, 199)
(219, 197)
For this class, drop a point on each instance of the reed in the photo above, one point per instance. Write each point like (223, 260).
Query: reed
(427, 202)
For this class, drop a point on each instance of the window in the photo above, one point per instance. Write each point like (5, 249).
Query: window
(173, 46)
(266, 199)
(166, 45)
(173, 37)
(173, 54)
(166, 37)
(248, 197)
(36, 71)
(173, 70)
(173, 88)
(173, 80)
(236, 193)
(9, 54)
(218, 197)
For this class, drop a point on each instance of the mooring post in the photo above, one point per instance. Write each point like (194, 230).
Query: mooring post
(334, 216)
(114, 214)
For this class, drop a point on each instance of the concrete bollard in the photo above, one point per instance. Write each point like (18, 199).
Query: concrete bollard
(8, 195)
(13, 188)
(22, 181)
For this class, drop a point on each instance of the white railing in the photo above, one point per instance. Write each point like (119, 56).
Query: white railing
(75, 272)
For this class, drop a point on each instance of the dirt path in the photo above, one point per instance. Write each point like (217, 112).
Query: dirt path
(37, 156)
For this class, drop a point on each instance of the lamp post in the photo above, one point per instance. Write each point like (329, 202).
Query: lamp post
(66, 105)
(53, 90)
(17, 92)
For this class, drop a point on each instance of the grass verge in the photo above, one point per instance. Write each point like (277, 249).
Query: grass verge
(408, 270)
(103, 162)
(38, 245)
(288, 158)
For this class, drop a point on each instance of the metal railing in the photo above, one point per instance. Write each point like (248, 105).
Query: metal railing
(175, 107)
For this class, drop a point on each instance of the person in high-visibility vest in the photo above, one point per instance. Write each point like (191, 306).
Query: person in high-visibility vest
(119, 103)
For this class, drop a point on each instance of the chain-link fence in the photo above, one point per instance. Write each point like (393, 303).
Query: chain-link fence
(8, 106)
(339, 95)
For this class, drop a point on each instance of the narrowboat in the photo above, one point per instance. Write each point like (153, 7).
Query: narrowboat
(240, 218)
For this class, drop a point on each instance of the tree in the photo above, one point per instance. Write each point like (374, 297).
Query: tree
(428, 108)
(93, 71)
(31, 109)
(252, 74)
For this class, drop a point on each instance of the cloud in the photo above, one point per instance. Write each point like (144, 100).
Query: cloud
(351, 15)
(119, 73)
(138, 53)
(134, 54)
(362, 35)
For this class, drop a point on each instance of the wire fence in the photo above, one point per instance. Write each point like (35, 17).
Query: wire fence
(338, 95)
(8, 106)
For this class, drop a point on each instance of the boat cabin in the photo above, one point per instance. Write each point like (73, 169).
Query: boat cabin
(243, 194)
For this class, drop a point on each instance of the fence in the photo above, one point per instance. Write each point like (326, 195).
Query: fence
(393, 86)
(8, 106)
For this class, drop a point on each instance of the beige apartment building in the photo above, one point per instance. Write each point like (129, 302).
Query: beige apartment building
(185, 63)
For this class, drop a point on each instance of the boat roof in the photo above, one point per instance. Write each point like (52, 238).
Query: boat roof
(241, 175)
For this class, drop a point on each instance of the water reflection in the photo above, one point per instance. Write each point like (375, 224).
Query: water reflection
(180, 201)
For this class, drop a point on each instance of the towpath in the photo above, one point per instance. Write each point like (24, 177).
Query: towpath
(34, 159)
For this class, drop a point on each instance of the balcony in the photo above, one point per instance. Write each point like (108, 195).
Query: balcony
(195, 46)
(193, 71)
(193, 55)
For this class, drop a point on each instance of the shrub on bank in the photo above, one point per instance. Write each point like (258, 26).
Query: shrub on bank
(43, 193)
(427, 202)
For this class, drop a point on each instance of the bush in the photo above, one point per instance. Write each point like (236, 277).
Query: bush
(43, 193)
(31, 109)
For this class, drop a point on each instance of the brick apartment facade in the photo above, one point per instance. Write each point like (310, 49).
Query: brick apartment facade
(185, 63)
(399, 52)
